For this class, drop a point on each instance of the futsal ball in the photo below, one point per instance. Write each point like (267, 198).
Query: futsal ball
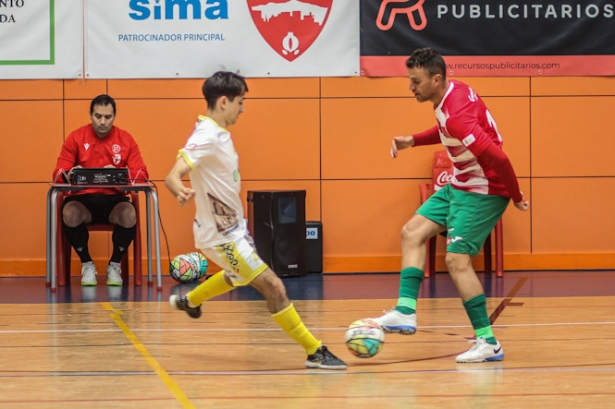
(200, 261)
(184, 269)
(364, 338)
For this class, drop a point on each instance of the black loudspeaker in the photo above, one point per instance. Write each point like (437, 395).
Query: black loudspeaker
(276, 220)
(313, 238)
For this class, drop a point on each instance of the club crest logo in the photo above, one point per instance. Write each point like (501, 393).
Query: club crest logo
(290, 27)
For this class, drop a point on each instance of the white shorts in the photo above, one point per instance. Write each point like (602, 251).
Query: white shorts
(239, 259)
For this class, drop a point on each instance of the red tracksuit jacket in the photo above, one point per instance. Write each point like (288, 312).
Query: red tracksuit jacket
(83, 147)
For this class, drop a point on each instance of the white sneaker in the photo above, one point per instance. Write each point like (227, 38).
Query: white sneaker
(482, 351)
(88, 274)
(114, 275)
(394, 321)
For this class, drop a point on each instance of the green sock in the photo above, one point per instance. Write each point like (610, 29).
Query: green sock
(411, 278)
(476, 309)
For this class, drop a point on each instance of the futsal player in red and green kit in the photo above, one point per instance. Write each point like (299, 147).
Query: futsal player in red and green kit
(467, 209)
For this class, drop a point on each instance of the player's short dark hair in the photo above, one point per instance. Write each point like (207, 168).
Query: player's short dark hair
(428, 59)
(102, 100)
(223, 84)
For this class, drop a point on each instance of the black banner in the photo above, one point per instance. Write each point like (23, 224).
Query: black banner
(480, 28)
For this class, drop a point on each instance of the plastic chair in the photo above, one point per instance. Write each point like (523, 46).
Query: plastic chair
(442, 175)
(63, 252)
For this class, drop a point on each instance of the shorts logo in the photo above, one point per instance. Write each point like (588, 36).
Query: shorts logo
(229, 252)
(450, 240)
(290, 27)
(389, 9)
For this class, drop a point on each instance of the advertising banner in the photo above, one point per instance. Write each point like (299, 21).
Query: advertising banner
(41, 39)
(195, 38)
(491, 37)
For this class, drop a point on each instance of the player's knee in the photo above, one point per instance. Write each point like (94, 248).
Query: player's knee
(409, 236)
(72, 215)
(125, 215)
(278, 288)
(457, 262)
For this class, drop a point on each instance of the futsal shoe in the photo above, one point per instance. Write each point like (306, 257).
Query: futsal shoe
(394, 321)
(88, 274)
(481, 351)
(323, 359)
(180, 303)
(114, 275)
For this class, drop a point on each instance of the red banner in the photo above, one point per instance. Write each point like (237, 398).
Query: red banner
(484, 66)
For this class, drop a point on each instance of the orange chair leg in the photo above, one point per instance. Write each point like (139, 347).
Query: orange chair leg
(137, 262)
(499, 249)
(487, 254)
(427, 271)
(67, 260)
(430, 259)
(61, 259)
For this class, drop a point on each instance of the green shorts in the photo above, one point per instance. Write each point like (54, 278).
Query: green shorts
(469, 217)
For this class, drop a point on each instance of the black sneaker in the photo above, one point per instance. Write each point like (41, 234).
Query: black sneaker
(324, 359)
(181, 303)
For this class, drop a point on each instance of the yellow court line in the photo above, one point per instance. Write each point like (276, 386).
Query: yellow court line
(153, 363)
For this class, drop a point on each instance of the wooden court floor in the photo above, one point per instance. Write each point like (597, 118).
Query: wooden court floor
(560, 350)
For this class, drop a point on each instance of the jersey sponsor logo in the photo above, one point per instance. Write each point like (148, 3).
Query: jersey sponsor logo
(178, 9)
(226, 218)
(468, 140)
(444, 178)
(390, 9)
(116, 148)
(117, 159)
(290, 27)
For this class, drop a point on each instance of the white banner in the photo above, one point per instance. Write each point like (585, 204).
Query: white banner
(195, 38)
(41, 39)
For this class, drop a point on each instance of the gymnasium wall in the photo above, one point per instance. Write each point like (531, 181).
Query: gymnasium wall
(331, 137)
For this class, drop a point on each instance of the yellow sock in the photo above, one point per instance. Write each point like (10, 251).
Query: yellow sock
(291, 323)
(212, 287)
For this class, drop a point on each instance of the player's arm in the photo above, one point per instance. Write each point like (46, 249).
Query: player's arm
(67, 161)
(497, 160)
(174, 181)
(428, 137)
(481, 146)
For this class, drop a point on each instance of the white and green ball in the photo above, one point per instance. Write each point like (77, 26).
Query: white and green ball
(184, 269)
(364, 338)
(201, 262)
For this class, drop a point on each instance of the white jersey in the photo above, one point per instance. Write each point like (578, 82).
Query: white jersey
(215, 179)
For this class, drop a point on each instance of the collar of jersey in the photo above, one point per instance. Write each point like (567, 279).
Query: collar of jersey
(206, 118)
(446, 94)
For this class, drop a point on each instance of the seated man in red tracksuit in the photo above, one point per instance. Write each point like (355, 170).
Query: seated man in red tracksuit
(98, 145)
